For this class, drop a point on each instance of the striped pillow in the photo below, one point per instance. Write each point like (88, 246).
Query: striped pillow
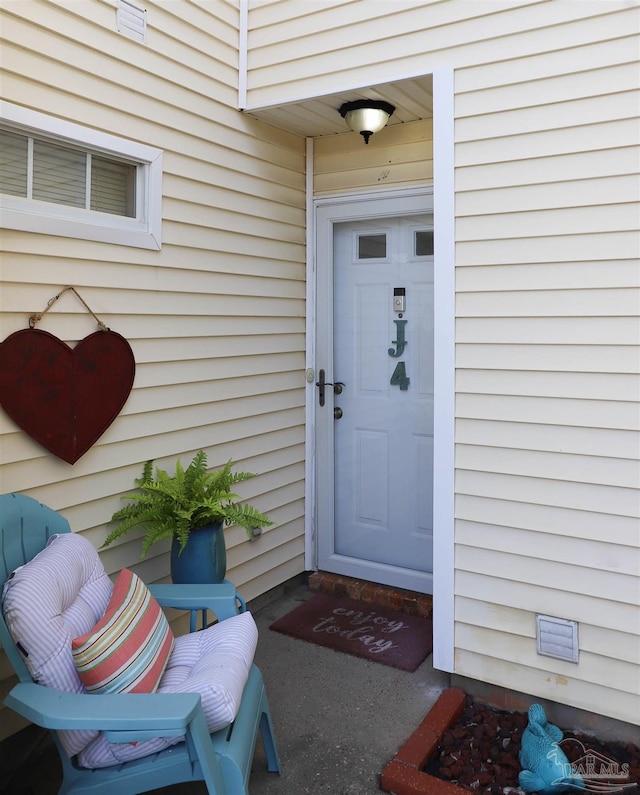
(128, 649)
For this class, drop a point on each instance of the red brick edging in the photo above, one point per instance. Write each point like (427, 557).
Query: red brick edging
(404, 774)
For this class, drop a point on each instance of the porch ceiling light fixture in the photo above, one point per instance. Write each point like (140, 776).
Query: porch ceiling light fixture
(366, 116)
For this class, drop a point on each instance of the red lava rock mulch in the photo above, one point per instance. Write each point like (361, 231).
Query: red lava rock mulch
(468, 746)
(480, 752)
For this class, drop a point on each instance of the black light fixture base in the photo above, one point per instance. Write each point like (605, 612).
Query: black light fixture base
(359, 104)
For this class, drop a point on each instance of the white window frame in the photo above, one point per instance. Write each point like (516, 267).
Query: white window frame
(29, 215)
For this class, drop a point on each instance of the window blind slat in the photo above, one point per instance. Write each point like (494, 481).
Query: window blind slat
(13, 163)
(113, 187)
(58, 174)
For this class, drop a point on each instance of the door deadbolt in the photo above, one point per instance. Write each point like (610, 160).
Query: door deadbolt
(337, 413)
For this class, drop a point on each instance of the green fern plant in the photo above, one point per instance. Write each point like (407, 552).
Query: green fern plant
(173, 505)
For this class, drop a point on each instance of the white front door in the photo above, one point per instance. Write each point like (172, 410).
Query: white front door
(375, 348)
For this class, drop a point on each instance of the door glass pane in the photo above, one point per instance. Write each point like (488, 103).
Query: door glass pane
(372, 246)
(113, 187)
(424, 243)
(59, 174)
(13, 163)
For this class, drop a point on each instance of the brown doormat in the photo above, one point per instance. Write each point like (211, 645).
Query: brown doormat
(375, 633)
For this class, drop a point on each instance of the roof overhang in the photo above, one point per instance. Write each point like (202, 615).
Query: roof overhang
(317, 116)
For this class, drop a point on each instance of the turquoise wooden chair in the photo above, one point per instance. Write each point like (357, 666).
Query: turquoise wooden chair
(222, 759)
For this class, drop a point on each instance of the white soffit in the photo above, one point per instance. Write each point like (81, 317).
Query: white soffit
(316, 116)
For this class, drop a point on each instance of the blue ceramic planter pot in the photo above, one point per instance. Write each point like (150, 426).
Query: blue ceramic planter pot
(203, 560)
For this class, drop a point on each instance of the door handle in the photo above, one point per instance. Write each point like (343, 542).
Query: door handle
(321, 383)
(338, 386)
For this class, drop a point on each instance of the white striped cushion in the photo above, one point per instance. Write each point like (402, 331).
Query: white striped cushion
(214, 662)
(58, 595)
(128, 649)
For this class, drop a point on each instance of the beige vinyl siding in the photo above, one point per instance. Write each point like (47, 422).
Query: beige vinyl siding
(547, 203)
(547, 405)
(215, 319)
(396, 156)
(305, 49)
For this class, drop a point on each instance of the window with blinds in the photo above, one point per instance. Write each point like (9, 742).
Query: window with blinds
(45, 171)
(63, 179)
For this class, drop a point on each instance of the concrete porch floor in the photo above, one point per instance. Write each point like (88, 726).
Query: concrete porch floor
(338, 719)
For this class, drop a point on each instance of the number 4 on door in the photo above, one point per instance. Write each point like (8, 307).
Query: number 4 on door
(400, 378)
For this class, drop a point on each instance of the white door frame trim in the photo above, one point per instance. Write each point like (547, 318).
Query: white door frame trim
(444, 370)
(310, 537)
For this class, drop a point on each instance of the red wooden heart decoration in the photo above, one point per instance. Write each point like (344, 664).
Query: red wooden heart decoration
(65, 398)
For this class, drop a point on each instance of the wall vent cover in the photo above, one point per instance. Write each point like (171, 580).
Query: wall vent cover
(557, 637)
(132, 21)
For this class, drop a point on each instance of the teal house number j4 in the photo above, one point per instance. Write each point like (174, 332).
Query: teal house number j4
(399, 376)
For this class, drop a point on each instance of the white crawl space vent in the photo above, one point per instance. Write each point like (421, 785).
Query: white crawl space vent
(557, 637)
(132, 21)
